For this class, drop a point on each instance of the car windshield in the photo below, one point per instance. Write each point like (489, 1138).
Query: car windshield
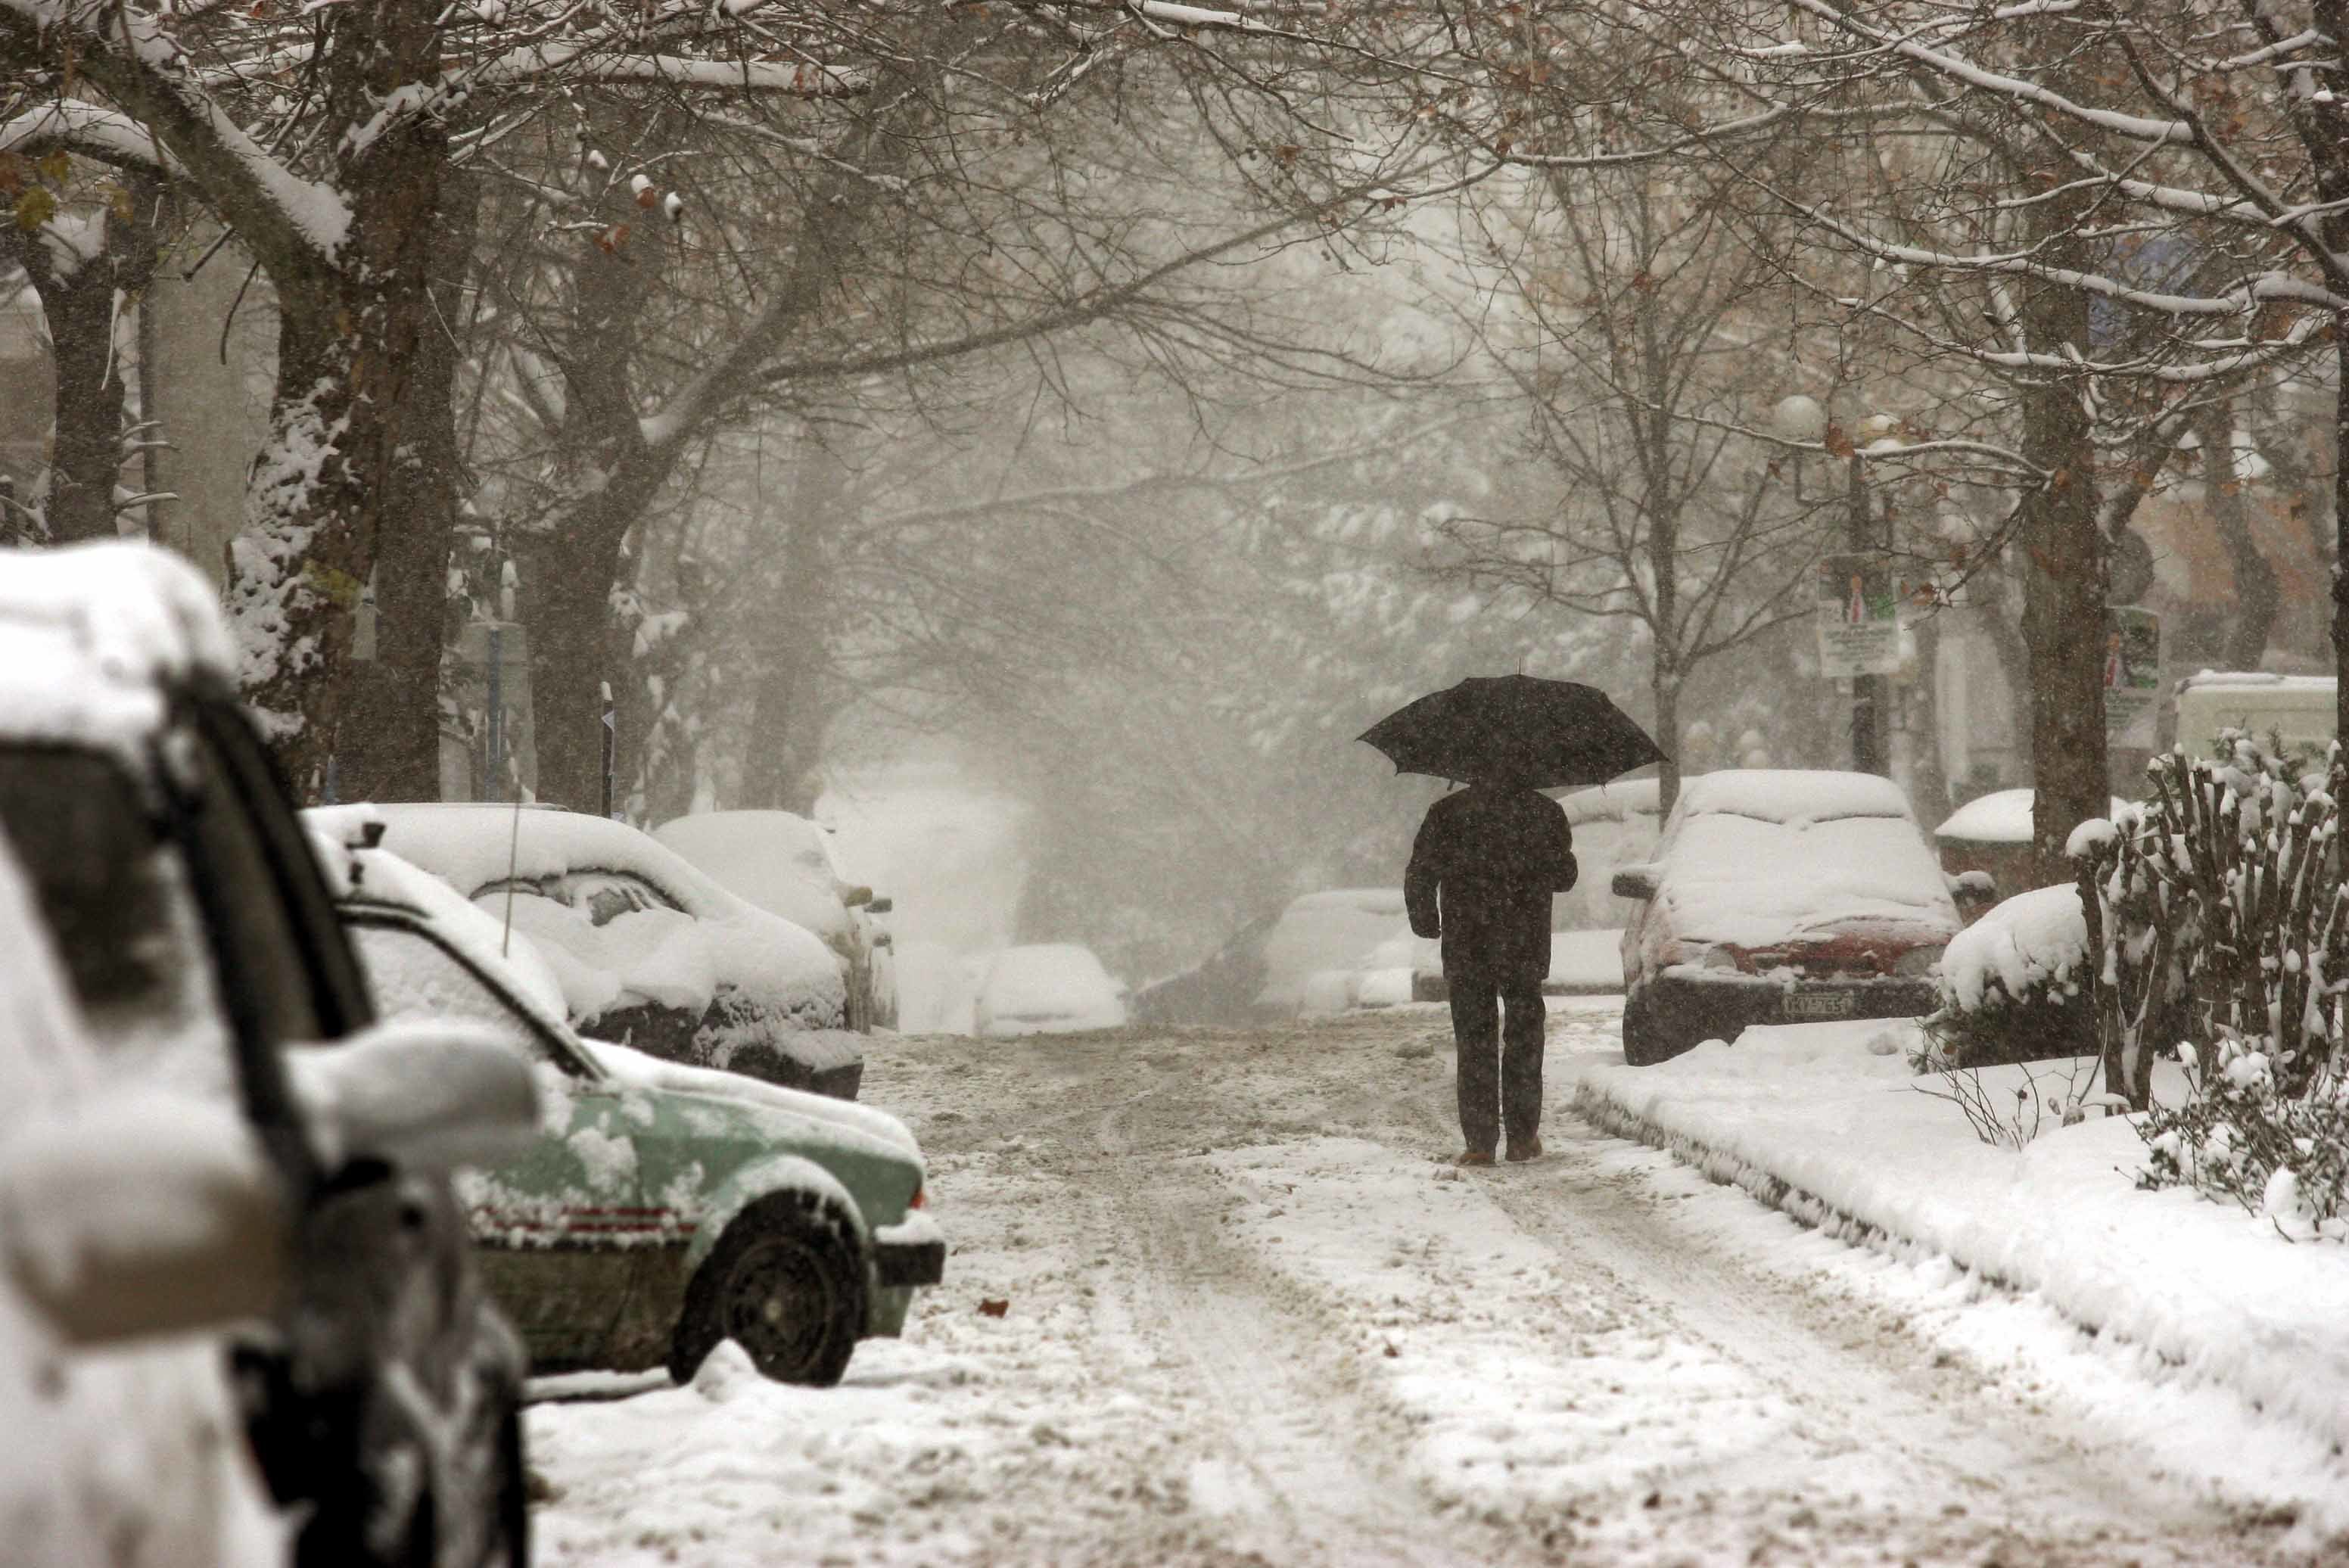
(413, 977)
(115, 900)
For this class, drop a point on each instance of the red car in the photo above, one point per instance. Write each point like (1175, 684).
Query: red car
(1780, 896)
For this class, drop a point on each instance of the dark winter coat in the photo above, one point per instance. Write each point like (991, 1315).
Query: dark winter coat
(1482, 871)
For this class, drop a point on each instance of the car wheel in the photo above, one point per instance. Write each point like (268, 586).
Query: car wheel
(510, 1546)
(786, 1282)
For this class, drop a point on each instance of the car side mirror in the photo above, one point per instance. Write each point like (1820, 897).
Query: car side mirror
(141, 1214)
(1975, 889)
(881, 906)
(428, 1093)
(855, 897)
(1634, 882)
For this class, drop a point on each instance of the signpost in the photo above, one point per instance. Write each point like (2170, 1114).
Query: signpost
(2132, 675)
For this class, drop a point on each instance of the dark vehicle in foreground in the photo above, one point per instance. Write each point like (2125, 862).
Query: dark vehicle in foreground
(648, 950)
(661, 1208)
(1780, 896)
(381, 1397)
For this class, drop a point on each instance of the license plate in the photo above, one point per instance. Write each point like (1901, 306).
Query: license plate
(1819, 1004)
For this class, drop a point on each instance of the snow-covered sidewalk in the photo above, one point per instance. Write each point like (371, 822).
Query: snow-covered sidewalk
(1827, 1122)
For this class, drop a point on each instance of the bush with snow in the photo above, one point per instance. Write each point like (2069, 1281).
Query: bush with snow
(2219, 919)
(2014, 985)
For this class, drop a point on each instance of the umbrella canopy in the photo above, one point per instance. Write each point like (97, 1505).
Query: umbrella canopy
(1551, 734)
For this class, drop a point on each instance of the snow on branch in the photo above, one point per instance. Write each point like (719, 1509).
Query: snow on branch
(131, 55)
(96, 132)
(577, 61)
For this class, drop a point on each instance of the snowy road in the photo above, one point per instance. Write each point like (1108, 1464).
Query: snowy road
(1246, 1318)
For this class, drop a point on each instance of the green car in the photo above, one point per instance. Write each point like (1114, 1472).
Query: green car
(663, 1208)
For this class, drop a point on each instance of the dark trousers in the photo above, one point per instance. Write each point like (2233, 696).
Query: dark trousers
(1500, 1064)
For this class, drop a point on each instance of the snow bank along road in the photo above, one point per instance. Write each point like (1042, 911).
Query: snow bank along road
(1213, 1300)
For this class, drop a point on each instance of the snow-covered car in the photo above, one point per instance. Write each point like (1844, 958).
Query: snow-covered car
(1985, 847)
(1047, 988)
(380, 1393)
(662, 1207)
(783, 862)
(1312, 957)
(1778, 896)
(651, 953)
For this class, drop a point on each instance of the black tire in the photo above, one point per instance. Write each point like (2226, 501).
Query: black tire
(1641, 1047)
(510, 1547)
(786, 1282)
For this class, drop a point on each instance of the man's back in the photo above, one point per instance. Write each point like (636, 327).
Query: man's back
(1482, 869)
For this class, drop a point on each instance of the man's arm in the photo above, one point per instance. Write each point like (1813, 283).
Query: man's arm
(1421, 878)
(1563, 874)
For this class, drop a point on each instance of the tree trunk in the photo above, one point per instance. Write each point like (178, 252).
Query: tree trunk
(2258, 595)
(350, 343)
(79, 306)
(568, 580)
(2064, 573)
(1665, 682)
(787, 722)
(2341, 524)
(393, 751)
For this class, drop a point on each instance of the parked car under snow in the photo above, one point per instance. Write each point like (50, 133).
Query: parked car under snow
(649, 950)
(662, 1207)
(1780, 896)
(1312, 957)
(1047, 988)
(783, 862)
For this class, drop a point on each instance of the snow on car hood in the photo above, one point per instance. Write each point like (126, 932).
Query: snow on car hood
(636, 1069)
(1756, 884)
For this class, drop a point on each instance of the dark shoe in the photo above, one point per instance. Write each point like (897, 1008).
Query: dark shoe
(1473, 1157)
(1526, 1148)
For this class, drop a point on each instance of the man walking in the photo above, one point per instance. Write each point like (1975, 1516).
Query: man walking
(1482, 871)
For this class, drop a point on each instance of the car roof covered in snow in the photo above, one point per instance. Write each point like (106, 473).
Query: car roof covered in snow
(1792, 796)
(2000, 817)
(1613, 802)
(91, 636)
(727, 942)
(778, 861)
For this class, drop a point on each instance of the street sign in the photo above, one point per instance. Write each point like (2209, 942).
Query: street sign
(1858, 616)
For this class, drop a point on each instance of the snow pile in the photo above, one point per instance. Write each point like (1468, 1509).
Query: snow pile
(2019, 946)
(2000, 817)
(1053, 987)
(1325, 933)
(1584, 962)
(1824, 1121)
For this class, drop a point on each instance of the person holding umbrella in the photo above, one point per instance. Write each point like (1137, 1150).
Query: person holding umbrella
(1486, 860)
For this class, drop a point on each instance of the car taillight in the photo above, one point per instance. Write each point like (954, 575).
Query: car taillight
(921, 1199)
(1916, 962)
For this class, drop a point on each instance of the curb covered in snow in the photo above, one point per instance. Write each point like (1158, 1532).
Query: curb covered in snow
(1823, 1123)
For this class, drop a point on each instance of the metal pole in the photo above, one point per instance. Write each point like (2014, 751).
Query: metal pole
(611, 747)
(496, 761)
(1867, 692)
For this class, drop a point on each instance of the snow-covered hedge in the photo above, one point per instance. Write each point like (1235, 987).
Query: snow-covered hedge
(2220, 922)
(2013, 985)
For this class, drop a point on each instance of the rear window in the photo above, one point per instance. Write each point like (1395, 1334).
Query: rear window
(115, 897)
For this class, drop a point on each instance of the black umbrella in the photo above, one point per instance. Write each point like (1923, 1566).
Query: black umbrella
(1551, 734)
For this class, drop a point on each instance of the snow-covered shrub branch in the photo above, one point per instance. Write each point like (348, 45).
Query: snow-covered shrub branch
(2219, 919)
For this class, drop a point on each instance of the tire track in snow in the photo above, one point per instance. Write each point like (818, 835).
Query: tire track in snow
(1307, 1469)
